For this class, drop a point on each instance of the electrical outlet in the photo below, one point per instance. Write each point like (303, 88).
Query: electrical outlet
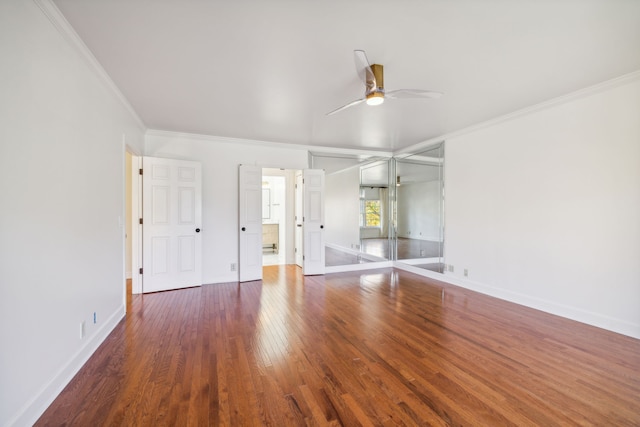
(466, 273)
(450, 268)
(95, 318)
(234, 266)
(82, 329)
(421, 252)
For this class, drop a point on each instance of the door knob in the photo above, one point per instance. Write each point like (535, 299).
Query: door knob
(197, 230)
(244, 229)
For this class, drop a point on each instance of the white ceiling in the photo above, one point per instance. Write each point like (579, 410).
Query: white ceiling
(270, 70)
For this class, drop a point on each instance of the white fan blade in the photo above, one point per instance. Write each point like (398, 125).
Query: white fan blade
(412, 93)
(363, 68)
(344, 107)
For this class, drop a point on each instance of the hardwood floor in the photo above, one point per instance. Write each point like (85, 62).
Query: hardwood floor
(383, 347)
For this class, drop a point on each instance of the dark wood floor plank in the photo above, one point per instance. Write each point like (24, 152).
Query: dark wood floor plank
(378, 348)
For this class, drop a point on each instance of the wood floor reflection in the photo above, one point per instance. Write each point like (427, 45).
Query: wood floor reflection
(382, 347)
(406, 248)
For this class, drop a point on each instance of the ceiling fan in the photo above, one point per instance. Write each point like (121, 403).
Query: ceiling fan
(372, 76)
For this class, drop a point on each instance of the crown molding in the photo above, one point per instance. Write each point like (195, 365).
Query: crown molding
(563, 99)
(57, 19)
(316, 149)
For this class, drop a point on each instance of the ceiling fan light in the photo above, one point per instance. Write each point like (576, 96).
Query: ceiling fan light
(375, 98)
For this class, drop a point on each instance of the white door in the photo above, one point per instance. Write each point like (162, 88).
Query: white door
(313, 221)
(250, 222)
(172, 214)
(298, 219)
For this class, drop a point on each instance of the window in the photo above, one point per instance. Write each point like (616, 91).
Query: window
(371, 213)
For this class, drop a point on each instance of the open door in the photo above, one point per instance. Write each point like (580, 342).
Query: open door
(172, 215)
(250, 222)
(298, 219)
(313, 221)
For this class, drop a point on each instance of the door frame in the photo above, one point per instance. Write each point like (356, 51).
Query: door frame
(136, 209)
(289, 216)
(136, 229)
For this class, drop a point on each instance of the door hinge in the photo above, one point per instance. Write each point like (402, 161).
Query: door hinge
(140, 171)
(295, 250)
(303, 257)
(140, 221)
(140, 270)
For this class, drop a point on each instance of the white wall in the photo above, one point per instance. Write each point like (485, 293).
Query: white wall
(342, 208)
(544, 208)
(419, 210)
(62, 216)
(220, 159)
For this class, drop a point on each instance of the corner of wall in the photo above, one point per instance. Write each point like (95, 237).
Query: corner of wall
(33, 410)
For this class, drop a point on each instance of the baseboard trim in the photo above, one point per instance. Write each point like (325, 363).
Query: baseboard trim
(355, 252)
(418, 261)
(357, 267)
(34, 409)
(619, 326)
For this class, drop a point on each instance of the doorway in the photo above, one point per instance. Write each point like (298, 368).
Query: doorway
(133, 229)
(278, 201)
(128, 214)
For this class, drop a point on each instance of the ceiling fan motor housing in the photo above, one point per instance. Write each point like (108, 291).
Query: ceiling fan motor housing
(378, 74)
(375, 88)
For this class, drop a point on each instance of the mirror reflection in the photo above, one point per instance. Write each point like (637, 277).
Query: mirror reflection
(419, 209)
(379, 209)
(349, 181)
(375, 211)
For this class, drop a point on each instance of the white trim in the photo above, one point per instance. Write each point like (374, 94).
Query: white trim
(418, 261)
(63, 26)
(356, 252)
(400, 265)
(34, 408)
(563, 99)
(136, 229)
(358, 267)
(588, 317)
(270, 144)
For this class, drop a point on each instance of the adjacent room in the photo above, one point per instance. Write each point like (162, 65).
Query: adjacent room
(320, 213)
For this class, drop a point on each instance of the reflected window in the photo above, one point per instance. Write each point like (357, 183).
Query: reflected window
(370, 213)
